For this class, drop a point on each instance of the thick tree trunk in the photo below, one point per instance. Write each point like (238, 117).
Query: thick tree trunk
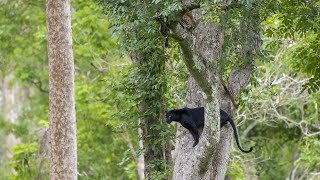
(221, 158)
(237, 81)
(63, 147)
(201, 51)
(202, 48)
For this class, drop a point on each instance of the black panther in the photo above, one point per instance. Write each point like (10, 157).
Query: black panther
(193, 119)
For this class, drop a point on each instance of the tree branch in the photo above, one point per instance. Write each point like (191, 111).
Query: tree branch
(239, 78)
(189, 7)
(98, 68)
(38, 84)
(127, 138)
(190, 60)
(229, 94)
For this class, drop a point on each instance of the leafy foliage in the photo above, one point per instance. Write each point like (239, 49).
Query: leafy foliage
(22, 161)
(299, 23)
(282, 120)
(283, 126)
(23, 39)
(99, 124)
(138, 32)
(306, 54)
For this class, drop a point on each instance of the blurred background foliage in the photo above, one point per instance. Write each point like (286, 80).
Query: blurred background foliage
(278, 111)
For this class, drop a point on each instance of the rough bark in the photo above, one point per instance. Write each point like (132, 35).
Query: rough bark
(63, 149)
(201, 50)
(238, 79)
(221, 157)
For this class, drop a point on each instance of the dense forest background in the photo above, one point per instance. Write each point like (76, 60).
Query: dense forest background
(278, 111)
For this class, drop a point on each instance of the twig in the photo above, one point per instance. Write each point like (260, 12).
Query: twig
(38, 84)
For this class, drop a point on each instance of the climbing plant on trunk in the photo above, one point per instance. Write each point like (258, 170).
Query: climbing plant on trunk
(200, 31)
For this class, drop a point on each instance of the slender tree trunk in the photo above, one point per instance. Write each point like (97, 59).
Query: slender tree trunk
(141, 164)
(44, 151)
(155, 154)
(63, 148)
(12, 99)
(138, 158)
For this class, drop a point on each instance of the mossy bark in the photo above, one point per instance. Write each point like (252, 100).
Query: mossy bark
(201, 48)
(238, 80)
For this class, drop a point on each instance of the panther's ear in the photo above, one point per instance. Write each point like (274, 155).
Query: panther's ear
(166, 111)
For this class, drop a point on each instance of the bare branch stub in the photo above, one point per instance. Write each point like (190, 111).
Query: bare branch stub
(187, 20)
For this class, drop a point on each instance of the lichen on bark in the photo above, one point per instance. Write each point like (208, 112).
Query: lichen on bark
(200, 50)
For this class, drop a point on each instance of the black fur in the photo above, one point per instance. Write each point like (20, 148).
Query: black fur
(193, 119)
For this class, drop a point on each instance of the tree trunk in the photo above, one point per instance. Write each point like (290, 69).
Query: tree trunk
(156, 155)
(141, 164)
(12, 99)
(238, 80)
(138, 158)
(201, 51)
(63, 147)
